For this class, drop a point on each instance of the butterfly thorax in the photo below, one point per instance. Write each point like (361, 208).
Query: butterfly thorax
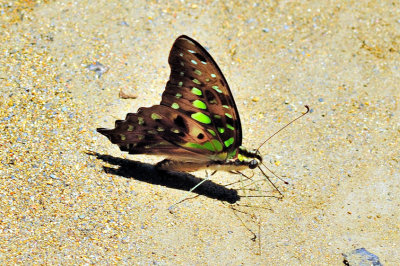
(249, 158)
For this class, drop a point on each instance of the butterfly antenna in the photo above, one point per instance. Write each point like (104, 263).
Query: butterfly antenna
(300, 116)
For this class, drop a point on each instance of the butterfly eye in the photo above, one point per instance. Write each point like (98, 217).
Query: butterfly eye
(253, 164)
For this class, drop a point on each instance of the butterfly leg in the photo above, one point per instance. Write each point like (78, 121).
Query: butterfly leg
(193, 188)
(204, 180)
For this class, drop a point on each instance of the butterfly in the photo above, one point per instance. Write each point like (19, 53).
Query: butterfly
(196, 125)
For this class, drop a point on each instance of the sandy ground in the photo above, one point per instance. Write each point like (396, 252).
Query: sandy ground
(62, 204)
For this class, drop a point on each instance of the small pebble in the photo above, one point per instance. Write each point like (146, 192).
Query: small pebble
(127, 93)
(124, 23)
(361, 257)
(99, 68)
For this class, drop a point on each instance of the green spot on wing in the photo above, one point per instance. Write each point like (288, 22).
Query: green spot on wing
(196, 81)
(209, 146)
(123, 137)
(178, 95)
(196, 91)
(199, 104)
(221, 130)
(217, 144)
(226, 106)
(180, 84)
(175, 106)
(213, 145)
(213, 75)
(229, 142)
(232, 154)
(205, 119)
(198, 72)
(155, 116)
(215, 87)
(193, 145)
(230, 127)
(212, 132)
(228, 115)
(140, 120)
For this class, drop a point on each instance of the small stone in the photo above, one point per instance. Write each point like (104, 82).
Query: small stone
(99, 68)
(124, 23)
(128, 93)
(361, 257)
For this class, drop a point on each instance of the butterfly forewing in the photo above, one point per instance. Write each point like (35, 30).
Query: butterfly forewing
(198, 89)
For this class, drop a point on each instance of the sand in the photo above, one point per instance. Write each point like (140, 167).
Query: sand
(68, 196)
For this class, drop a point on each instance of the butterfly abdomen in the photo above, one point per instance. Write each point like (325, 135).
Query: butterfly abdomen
(187, 166)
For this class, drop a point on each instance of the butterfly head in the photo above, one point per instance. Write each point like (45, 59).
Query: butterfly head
(251, 158)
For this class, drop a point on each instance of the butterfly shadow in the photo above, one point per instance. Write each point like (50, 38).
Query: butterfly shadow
(183, 181)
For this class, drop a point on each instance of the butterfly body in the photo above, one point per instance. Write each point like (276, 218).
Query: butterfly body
(196, 125)
(244, 160)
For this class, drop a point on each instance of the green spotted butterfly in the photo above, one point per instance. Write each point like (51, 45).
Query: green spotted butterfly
(196, 126)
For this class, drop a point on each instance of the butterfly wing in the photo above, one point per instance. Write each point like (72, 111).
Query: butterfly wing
(160, 130)
(197, 119)
(198, 89)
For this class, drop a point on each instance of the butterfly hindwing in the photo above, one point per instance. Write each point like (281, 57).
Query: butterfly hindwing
(136, 136)
(162, 131)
